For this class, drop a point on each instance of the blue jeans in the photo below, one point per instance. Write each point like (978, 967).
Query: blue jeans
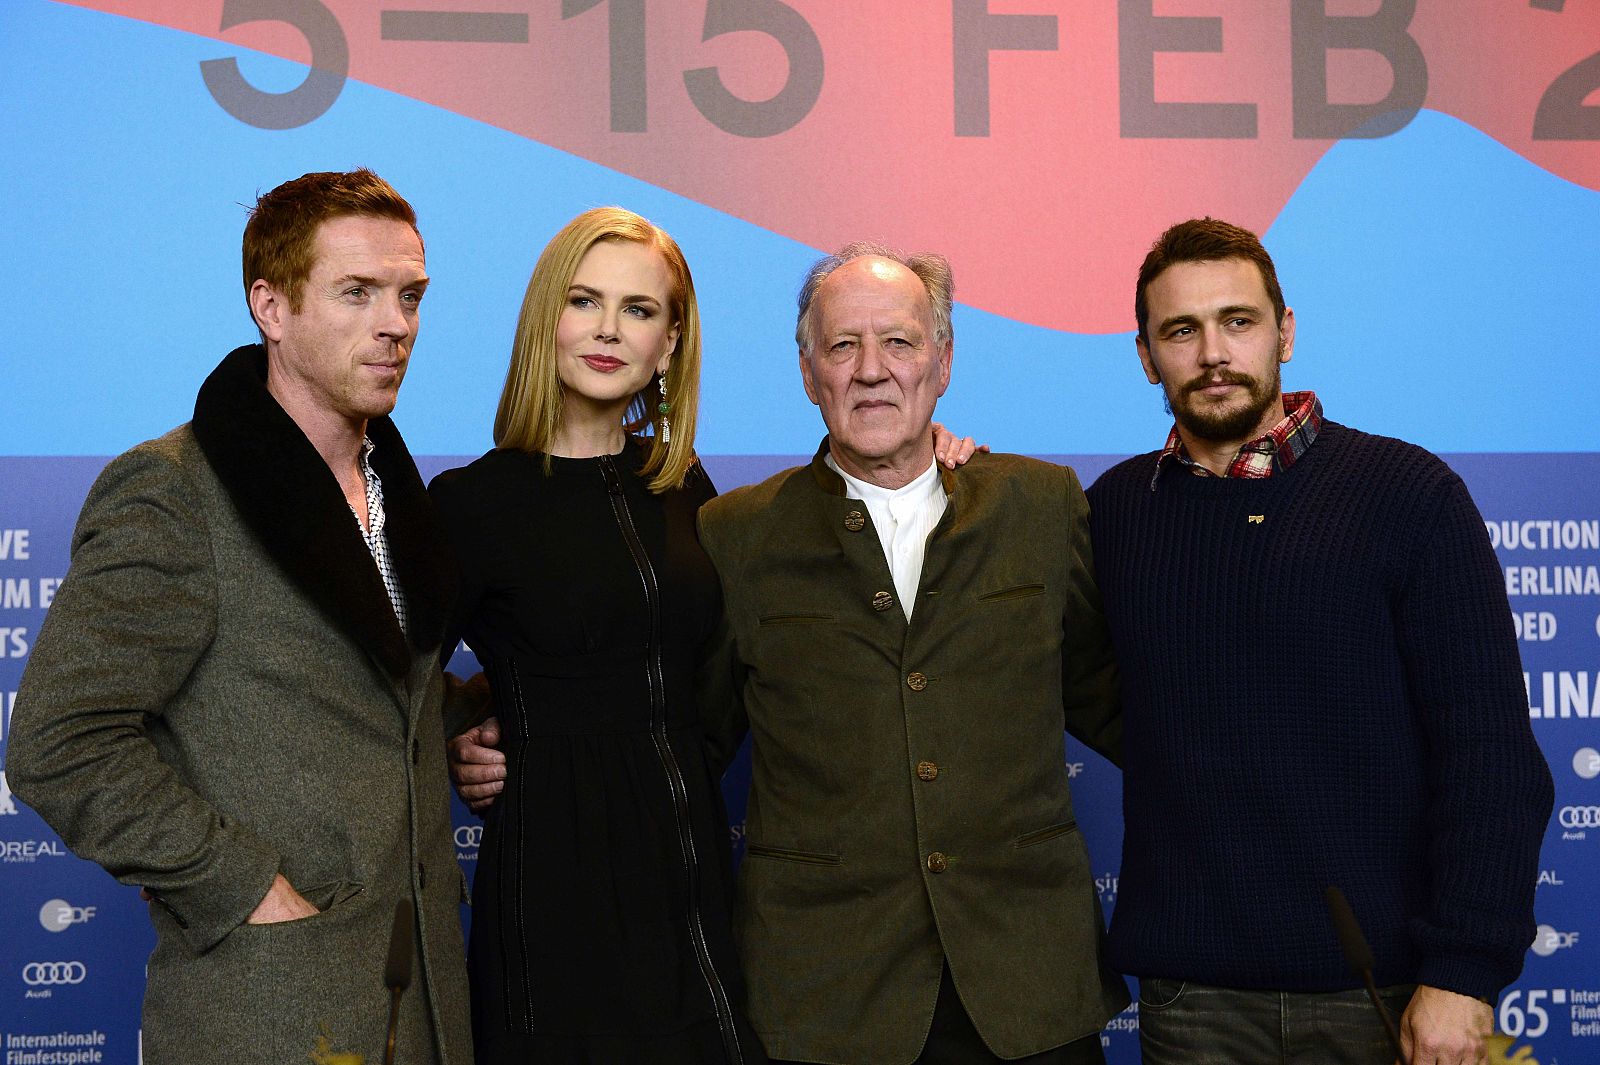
(1195, 1024)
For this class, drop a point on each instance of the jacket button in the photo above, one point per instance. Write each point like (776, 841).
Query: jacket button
(927, 771)
(937, 862)
(882, 601)
(916, 682)
(855, 521)
(416, 752)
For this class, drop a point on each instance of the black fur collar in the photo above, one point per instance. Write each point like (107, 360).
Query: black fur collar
(290, 500)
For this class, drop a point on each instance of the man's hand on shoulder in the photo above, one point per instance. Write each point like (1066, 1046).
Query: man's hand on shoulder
(1444, 1028)
(283, 903)
(479, 771)
(952, 450)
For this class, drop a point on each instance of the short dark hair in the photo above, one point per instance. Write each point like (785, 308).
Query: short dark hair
(1204, 240)
(280, 238)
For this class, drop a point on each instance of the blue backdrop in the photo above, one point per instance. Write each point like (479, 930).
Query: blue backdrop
(1444, 277)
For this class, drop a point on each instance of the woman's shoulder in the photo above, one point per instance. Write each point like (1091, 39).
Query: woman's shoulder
(486, 484)
(488, 469)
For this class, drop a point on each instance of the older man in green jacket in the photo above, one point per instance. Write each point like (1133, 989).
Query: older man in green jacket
(908, 644)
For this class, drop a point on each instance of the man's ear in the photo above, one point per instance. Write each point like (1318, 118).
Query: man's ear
(269, 307)
(1286, 336)
(946, 356)
(1151, 374)
(805, 378)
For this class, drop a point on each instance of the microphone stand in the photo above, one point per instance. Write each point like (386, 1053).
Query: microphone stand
(394, 1024)
(1358, 954)
(397, 969)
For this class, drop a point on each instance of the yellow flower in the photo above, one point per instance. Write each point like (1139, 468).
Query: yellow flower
(1500, 1052)
(324, 1055)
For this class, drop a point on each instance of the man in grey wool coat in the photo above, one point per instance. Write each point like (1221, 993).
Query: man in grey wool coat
(235, 701)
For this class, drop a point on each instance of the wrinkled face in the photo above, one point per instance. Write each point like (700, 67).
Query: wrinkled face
(1215, 348)
(874, 368)
(616, 331)
(344, 352)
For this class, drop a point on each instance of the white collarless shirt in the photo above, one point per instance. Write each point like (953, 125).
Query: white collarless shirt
(903, 517)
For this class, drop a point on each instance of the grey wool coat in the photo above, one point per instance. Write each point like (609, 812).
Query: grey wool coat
(909, 803)
(221, 692)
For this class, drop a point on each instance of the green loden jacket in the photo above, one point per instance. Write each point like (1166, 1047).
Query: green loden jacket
(220, 693)
(909, 801)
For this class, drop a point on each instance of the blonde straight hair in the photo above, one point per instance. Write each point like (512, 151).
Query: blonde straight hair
(530, 404)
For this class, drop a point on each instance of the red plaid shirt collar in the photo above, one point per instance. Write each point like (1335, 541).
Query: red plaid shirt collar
(1266, 455)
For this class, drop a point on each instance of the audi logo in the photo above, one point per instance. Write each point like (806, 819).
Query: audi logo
(43, 973)
(469, 835)
(1580, 817)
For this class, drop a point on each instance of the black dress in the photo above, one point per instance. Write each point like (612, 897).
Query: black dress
(600, 918)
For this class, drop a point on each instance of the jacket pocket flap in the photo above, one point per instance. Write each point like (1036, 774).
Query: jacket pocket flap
(1018, 591)
(1029, 839)
(785, 854)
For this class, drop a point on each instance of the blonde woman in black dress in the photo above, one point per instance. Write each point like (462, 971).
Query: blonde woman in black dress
(600, 919)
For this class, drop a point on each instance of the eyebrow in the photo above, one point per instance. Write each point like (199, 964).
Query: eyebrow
(375, 282)
(635, 298)
(1194, 319)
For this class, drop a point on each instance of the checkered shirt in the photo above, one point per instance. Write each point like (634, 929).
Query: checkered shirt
(1265, 455)
(372, 533)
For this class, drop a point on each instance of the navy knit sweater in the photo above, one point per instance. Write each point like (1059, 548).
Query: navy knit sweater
(1321, 686)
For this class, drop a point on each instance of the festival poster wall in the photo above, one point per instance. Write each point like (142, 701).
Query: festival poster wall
(1425, 174)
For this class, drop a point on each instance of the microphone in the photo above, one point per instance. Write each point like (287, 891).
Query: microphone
(1358, 954)
(397, 969)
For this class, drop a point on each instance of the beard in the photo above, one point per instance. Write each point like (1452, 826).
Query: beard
(1229, 424)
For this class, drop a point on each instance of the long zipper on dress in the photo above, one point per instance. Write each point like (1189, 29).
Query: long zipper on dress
(669, 761)
(518, 891)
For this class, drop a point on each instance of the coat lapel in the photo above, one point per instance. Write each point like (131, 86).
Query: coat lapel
(290, 501)
(852, 526)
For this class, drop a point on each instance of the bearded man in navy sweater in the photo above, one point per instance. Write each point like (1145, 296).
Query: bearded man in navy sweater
(1321, 686)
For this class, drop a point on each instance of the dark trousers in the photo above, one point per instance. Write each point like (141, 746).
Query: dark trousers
(952, 1040)
(1195, 1024)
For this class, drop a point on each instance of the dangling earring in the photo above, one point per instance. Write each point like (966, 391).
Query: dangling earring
(663, 407)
